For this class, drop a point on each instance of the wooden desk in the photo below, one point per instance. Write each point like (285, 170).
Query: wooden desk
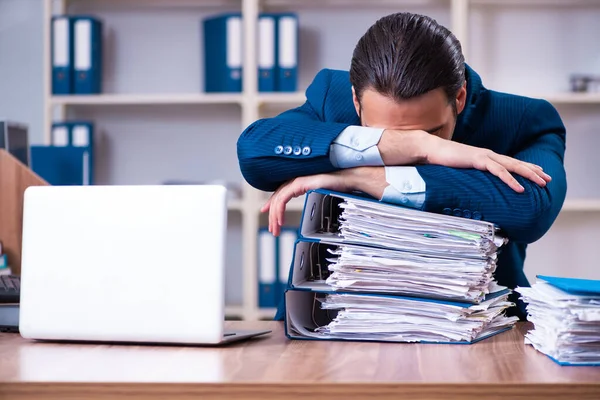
(275, 367)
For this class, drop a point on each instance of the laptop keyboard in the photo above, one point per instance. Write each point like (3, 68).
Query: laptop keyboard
(10, 288)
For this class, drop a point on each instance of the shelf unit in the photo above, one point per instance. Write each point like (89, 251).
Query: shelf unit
(251, 103)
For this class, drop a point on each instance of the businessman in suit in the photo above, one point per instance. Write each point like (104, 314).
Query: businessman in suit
(412, 124)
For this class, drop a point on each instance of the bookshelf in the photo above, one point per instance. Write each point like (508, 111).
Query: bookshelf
(238, 110)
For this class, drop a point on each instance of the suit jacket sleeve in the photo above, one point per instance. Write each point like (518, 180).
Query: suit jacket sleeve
(304, 126)
(524, 217)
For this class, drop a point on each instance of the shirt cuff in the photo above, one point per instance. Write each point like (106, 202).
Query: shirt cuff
(406, 187)
(356, 146)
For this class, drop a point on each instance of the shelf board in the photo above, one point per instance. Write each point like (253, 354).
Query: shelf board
(142, 99)
(569, 98)
(581, 205)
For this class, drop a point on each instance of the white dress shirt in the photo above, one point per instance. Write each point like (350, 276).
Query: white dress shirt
(356, 146)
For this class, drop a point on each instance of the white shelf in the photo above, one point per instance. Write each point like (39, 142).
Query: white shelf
(581, 205)
(142, 99)
(570, 98)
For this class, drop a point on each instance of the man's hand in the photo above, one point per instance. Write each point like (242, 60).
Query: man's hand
(419, 147)
(370, 180)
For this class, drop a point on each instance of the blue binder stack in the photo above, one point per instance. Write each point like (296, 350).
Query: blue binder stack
(76, 55)
(277, 56)
(69, 160)
(369, 271)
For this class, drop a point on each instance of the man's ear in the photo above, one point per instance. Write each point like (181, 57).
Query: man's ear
(461, 98)
(356, 102)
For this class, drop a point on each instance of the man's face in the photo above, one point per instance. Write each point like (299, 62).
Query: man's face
(430, 112)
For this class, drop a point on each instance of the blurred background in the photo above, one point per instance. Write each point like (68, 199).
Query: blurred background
(158, 91)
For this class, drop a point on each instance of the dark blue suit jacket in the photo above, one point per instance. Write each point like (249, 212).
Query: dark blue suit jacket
(527, 129)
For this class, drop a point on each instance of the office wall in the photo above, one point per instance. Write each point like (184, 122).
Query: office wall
(21, 94)
(534, 49)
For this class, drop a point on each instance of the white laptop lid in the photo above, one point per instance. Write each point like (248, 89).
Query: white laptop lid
(124, 263)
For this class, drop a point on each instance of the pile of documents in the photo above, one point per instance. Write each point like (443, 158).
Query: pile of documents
(365, 270)
(565, 313)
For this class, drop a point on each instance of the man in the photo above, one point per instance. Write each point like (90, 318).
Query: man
(412, 124)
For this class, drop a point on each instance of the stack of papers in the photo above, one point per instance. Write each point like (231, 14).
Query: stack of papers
(399, 228)
(566, 317)
(394, 274)
(414, 320)
(359, 268)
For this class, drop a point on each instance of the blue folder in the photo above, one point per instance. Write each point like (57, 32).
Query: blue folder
(62, 55)
(267, 52)
(87, 53)
(77, 134)
(267, 269)
(60, 166)
(583, 287)
(287, 52)
(223, 53)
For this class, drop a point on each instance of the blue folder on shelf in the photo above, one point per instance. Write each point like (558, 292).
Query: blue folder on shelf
(286, 244)
(87, 53)
(61, 165)
(287, 52)
(223, 53)
(62, 55)
(267, 52)
(267, 269)
(76, 134)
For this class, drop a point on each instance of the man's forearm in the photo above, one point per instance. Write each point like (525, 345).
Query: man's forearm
(403, 147)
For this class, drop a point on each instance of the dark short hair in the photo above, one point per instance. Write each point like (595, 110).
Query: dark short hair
(405, 55)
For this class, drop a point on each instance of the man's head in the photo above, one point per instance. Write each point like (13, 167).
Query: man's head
(408, 73)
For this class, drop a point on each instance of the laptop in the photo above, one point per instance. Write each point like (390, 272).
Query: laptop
(125, 264)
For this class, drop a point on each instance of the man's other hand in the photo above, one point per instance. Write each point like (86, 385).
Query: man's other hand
(420, 147)
(370, 180)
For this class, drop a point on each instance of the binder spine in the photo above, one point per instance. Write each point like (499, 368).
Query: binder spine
(287, 240)
(87, 34)
(287, 53)
(267, 269)
(223, 53)
(62, 55)
(267, 46)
